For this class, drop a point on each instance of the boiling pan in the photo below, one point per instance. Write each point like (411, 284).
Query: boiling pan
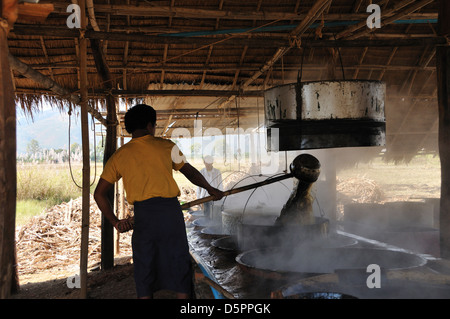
(228, 243)
(308, 259)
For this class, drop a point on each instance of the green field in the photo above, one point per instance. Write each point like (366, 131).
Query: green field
(40, 186)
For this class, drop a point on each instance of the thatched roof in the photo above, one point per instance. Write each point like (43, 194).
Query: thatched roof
(214, 58)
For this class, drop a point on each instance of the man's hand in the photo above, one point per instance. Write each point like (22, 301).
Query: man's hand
(124, 225)
(100, 196)
(218, 194)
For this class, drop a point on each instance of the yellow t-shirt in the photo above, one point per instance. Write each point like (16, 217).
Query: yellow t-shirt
(145, 164)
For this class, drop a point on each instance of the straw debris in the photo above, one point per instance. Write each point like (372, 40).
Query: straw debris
(52, 240)
(360, 190)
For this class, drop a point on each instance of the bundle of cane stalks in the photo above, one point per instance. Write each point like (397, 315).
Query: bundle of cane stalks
(52, 240)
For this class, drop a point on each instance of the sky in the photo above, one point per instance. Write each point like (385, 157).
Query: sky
(49, 127)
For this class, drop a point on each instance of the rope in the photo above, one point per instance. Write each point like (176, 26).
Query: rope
(70, 163)
(340, 59)
(95, 151)
(69, 150)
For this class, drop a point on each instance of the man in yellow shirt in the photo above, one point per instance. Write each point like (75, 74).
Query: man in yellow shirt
(160, 249)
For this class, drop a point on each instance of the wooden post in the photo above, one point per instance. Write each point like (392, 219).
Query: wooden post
(107, 259)
(443, 84)
(86, 161)
(107, 248)
(8, 273)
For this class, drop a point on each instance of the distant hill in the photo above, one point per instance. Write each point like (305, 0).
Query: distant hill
(50, 128)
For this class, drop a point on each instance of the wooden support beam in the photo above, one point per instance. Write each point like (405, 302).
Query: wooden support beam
(139, 37)
(161, 82)
(125, 57)
(44, 49)
(443, 84)
(186, 93)
(107, 234)
(254, 42)
(188, 69)
(244, 51)
(166, 49)
(142, 9)
(8, 270)
(409, 81)
(86, 161)
(241, 61)
(34, 12)
(391, 57)
(208, 57)
(77, 58)
(210, 49)
(361, 59)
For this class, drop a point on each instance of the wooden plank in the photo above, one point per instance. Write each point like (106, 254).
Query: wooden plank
(184, 68)
(138, 37)
(443, 83)
(8, 271)
(256, 42)
(142, 9)
(34, 12)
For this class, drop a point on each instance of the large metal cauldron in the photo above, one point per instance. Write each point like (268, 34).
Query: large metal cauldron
(324, 114)
(254, 234)
(232, 218)
(311, 260)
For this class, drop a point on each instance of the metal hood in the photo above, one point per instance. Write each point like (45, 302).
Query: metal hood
(325, 114)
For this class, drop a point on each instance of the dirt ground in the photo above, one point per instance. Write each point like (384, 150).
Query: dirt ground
(117, 283)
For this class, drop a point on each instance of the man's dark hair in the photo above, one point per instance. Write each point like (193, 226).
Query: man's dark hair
(139, 116)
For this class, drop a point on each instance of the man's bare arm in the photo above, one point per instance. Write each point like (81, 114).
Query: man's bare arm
(100, 196)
